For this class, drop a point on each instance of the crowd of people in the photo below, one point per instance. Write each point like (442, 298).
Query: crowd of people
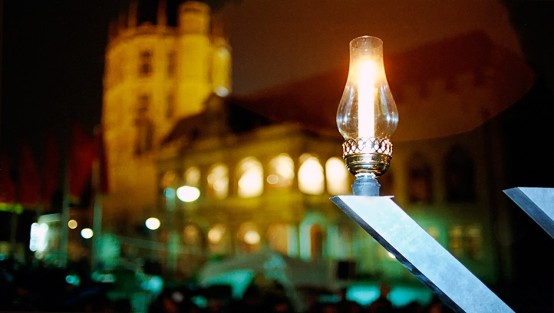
(42, 288)
(258, 299)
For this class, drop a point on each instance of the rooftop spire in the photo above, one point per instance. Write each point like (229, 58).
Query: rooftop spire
(132, 18)
(162, 13)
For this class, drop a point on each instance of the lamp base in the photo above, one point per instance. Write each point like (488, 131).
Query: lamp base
(366, 185)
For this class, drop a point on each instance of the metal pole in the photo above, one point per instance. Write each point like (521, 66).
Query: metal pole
(538, 203)
(97, 229)
(64, 230)
(173, 237)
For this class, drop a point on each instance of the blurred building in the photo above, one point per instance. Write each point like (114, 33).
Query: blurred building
(265, 165)
(155, 75)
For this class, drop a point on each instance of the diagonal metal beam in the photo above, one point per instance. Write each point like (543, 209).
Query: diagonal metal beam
(416, 250)
(538, 203)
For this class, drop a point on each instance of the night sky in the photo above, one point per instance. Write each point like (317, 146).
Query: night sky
(52, 65)
(53, 51)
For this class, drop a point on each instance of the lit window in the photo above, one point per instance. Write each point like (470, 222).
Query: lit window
(192, 236)
(249, 237)
(473, 242)
(218, 181)
(337, 176)
(250, 173)
(281, 172)
(219, 239)
(310, 175)
(192, 176)
(455, 240)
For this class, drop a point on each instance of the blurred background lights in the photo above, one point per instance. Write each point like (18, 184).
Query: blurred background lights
(38, 240)
(73, 279)
(87, 233)
(251, 237)
(188, 193)
(169, 193)
(152, 223)
(72, 224)
(215, 234)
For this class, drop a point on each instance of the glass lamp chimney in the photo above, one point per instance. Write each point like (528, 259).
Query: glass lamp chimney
(367, 116)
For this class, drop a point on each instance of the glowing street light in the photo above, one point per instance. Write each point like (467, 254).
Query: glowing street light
(87, 233)
(152, 223)
(188, 193)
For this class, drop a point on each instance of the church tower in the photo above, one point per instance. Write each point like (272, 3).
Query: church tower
(155, 75)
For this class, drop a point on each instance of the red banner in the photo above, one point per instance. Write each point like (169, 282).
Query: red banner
(28, 183)
(7, 185)
(51, 169)
(82, 155)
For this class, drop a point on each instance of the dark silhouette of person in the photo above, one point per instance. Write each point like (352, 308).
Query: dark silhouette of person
(382, 304)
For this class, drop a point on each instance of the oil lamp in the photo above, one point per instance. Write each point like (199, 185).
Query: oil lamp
(367, 116)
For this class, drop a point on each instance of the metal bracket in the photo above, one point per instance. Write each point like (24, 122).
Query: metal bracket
(538, 203)
(422, 255)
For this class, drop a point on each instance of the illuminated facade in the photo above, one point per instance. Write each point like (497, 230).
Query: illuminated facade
(268, 185)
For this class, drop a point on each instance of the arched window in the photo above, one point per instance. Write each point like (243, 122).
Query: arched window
(218, 181)
(316, 242)
(459, 177)
(145, 63)
(192, 236)
(280, 172)
(310, 175)
(250, 178)
(219, 240)
(420, 188)
(249, 237)
(144, 139)
(337, 177)
(191, 176)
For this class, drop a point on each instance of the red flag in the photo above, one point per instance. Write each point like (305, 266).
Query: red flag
(102, 181)
(7, 186)
(82, 156)
(50, 169)
(28, 184)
